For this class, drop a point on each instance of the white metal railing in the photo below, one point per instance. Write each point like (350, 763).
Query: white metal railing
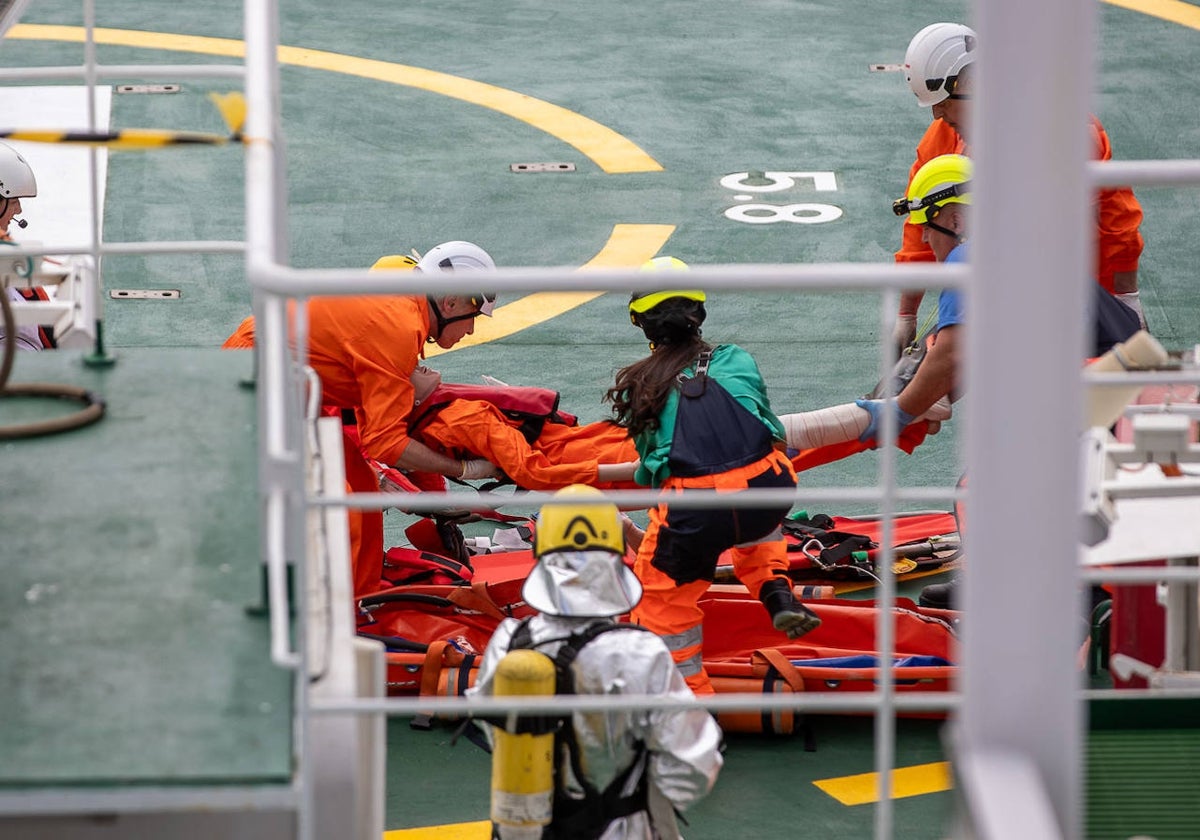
(155, 72)
(1033, 737)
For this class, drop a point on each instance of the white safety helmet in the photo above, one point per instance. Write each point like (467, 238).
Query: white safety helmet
(16, 176)
(934, 59)
(459, 256)
(455, 255)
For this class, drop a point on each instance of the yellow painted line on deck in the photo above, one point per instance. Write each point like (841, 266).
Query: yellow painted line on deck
(609, 150)
(627, 246)
(457, 831)
(1174, 11)
(863, 789)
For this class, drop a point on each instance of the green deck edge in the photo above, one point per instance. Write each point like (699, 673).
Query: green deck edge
(131, 554)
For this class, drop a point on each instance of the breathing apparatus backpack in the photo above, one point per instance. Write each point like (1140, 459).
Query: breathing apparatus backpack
(584, 817)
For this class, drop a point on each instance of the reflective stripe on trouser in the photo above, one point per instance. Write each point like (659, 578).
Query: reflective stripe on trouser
(671, 608)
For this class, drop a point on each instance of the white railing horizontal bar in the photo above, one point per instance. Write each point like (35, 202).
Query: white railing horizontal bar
(1140, 574)
(864, 701)
(797, 277)
(139, 799)
(1140, 693)
(209, 246)
(1149, 489)
(152, 72)
(1146, 173)
(696, 499)
(811, 701)
(1142, 377)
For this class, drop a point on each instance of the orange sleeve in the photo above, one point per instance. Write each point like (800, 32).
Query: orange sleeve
(911, 436)
(1118, 220)
(365, 349)
(939, 139)
(243, 336)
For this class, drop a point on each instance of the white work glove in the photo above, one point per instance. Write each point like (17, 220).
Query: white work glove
(1134, 301)
(876, 408)
(478, 469)
(904, 332)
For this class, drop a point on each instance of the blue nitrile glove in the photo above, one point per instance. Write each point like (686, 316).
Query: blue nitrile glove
(876, 408)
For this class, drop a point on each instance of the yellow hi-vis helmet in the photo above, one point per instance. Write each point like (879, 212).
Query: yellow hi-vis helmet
(590, 524)
(944, 180)
(641, 302)
(398, 262)
(581, 572)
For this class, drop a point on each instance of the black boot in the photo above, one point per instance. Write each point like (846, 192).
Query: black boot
(940, 596)
(787, 614)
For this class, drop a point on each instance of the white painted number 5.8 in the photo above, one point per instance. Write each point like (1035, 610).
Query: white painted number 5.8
(772, 182)
(821, 181)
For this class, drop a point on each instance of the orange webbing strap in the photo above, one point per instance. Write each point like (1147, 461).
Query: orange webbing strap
(477, 598)
(437, 656)
(774, 658)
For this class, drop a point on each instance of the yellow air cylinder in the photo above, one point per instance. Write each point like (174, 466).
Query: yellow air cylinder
(523, 762)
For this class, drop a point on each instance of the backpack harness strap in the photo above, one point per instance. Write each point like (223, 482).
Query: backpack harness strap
(590, 816)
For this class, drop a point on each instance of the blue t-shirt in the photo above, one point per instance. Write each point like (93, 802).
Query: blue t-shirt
(951, 311)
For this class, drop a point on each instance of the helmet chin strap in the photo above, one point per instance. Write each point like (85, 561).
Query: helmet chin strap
(442, 320)
(957, 238)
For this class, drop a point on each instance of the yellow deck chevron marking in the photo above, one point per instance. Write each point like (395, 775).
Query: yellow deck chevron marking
(628, 245)
(1174, 11)
(456, 831)
(863, 789)
(606, 148)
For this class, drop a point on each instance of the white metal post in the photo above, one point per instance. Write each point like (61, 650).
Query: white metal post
(1030, 258)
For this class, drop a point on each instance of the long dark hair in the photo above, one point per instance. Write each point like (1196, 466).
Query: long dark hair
(641, 389)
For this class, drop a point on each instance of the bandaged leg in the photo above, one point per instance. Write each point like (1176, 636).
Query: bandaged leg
(841, 423)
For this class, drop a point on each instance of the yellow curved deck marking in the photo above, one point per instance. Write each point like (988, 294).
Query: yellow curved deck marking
(627, 246)
(456, 831)
(1173, 11)
(609, 150)
(863, 789)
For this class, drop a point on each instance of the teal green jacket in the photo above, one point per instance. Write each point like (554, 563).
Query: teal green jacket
(738, 373)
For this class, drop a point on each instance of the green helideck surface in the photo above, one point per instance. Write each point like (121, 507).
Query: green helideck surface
(130, 549)
(130, 557)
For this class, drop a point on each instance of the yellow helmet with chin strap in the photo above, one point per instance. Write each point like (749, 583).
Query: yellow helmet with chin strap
(946, 179)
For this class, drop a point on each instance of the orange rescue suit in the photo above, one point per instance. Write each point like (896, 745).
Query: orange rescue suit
(365, 350)
(561, 455)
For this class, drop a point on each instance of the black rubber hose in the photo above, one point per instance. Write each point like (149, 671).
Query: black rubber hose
(93, 406)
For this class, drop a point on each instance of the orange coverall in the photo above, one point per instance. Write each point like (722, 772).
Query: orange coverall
(365, 350)
(1118, 213)
(561, 455)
